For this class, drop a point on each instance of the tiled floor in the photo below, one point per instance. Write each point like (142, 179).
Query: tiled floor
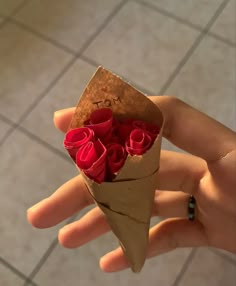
(48, 51)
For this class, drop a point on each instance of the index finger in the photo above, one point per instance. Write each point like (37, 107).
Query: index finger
(186, 127)
(70, 198)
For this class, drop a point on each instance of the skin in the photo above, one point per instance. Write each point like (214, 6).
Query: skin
(209, 174)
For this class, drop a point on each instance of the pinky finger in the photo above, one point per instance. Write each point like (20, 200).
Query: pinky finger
(164, 237)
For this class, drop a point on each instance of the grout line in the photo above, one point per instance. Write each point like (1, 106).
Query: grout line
(33, 137)
(169, 15)
(41, 261)
(63, 71)
(9, 131)
(222, 39)
(38, 99)
(42, 36)
(184, 267)
(62, 46)
(6, 120)
(92, 62)
(15, 270)
(222, 255)
(17, 9)
(102, 26)
(29, 283)
(45, 92)
(46, 255)
(44, 143)
(185, 22)
(192, 49)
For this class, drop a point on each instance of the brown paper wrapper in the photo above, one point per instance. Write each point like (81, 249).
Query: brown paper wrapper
(127, 201)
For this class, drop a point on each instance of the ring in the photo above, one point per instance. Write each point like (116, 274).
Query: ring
(191, 208)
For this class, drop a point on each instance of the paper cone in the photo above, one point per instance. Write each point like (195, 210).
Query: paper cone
(127, 206)
(127, 201)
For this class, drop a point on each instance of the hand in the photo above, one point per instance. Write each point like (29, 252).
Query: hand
(209, 174)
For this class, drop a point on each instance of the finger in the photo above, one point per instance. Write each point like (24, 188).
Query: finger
(66, 201)
(89, 227)
(74, 196)
(62, 118)
(166, 236)
(194, 131)
(169, 204)
(94, 224)
(180, 172)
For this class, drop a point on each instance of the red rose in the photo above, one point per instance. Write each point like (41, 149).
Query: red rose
(123, 129)
(139, 124)
(100, 122)
(100, 148)
(77, 137)
(116, 156)
(152, 129)
(138, 142)
(91, 159)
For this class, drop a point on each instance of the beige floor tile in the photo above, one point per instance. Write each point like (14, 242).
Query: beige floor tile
(3, 128)
(28, 65)
(7, 7)
(197, 12)
(225, 25)
(208, 81)
(142, 45)
(167, 145)
(8, 278)
(80, 266)
(28, 173)
(65, 94)
(228, 254)
(209, 269)
(71, 22)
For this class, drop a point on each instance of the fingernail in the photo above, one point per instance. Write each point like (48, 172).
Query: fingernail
(64, 228)
(105, 266)
(57, 113)
(60, 111)
(36, 206)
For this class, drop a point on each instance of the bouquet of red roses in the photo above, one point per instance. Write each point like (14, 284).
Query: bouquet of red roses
(114, 139)
(101, 146)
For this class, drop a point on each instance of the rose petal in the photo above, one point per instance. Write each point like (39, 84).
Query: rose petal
(77, 137)
(138, 142)
(101, 121)
(128, 121)
(139, 124)
(115, 123)
(153, 130)
(139, 139)
(91, 159)
(123, 131)
(107, 138)
(86, 156)
(116, 156)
